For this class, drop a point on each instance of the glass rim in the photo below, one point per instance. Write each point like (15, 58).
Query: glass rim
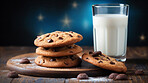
(110, 5)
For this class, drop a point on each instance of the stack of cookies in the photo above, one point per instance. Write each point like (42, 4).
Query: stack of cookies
(57, 49)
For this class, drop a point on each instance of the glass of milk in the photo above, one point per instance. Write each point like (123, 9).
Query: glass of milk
(110, 23)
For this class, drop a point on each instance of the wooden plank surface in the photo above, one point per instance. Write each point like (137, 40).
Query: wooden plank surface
(137, 58)
(35, 70)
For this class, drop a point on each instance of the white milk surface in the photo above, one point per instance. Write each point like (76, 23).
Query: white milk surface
(110, 33)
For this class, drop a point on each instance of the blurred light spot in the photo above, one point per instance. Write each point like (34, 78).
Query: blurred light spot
(74, 4)
(41, 32)
(142, 37)
(40, 17)
(85, 24)
(66, 21)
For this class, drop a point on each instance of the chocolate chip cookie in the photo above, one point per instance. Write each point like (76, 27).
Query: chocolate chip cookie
(101, 60)
(57, 39)
(59, 51)
(66, 61)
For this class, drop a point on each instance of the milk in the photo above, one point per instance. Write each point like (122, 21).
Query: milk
(110, 34)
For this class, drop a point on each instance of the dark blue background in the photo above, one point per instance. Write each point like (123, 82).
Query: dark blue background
(20, 23)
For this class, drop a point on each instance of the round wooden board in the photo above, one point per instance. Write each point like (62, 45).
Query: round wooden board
(35, 70)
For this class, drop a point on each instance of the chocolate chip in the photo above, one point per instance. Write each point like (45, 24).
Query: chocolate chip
(108, 58)
(70, 35)
(48, 35)
(65, 63)
(70, 31)
(102, 59)
(82, 76)
(57, 35)
(65, 57)
(69, 47)
(100, 62)
(52, 59)
(112, 63)
(121, 77)
(87, 58)
(90, 52)
(113, 75)
(43, 61)
(46, 48)
(40, 61)
(39, 38)
(105, 59)
(12, 74)
(97, 53)
(94, 55)
(102, 55)
(96, 58)
(84, 54)
(139, 72)
(24, 61)
(54, 50)
(70, 51)
(49, 40)
(60, 38)
(72, 57)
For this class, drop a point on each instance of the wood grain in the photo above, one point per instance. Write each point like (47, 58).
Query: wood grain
(137, 58)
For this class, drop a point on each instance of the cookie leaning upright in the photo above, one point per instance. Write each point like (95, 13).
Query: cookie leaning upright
(103, 61)
(57, 39)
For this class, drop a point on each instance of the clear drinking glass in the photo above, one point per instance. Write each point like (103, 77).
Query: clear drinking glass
(110, 23)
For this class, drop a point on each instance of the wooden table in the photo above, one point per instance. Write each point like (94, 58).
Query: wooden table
(137, 58)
